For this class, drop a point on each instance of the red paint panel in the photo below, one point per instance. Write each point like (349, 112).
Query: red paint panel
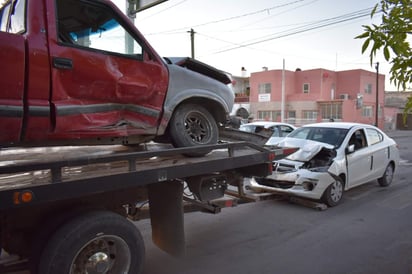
(12, 56)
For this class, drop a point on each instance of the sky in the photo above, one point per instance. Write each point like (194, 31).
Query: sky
(231, 34)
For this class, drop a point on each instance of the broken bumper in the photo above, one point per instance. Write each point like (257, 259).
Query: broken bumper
(302, 183)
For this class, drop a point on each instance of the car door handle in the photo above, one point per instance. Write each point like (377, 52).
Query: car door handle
(62, 63)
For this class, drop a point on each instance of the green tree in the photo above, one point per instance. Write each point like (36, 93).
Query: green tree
(392, 36)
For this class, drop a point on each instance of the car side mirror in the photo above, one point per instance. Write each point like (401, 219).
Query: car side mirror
(350, 149)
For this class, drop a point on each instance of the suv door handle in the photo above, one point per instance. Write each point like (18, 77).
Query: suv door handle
(62, 63)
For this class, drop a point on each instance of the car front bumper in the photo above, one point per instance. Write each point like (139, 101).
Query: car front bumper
(302, 183)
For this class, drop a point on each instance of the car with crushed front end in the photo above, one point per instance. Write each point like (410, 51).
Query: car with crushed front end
(332, 158)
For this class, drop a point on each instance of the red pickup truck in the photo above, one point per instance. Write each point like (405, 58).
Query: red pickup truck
(79, 72)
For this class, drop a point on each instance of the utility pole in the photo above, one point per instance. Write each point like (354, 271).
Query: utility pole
(377, 96)
(192, 42)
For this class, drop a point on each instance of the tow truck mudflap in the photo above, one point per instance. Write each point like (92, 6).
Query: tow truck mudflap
(166, 216)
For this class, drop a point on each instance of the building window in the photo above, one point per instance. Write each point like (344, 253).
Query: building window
(331, 111)
(265, 88)
(292, 114)
(268, 115)
(310, 114)
(368, 88)
(367, 111)
(306, 88)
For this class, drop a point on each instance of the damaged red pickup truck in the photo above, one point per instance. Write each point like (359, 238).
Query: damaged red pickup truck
(79, 72)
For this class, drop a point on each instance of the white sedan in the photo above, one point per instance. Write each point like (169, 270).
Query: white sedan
(280, 130)
(332, 158)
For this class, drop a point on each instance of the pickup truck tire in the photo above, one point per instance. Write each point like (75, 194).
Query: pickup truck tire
(94, 242)
(193, 125)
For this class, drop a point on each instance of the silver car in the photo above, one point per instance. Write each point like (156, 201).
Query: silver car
(280, 130)
(332, 157)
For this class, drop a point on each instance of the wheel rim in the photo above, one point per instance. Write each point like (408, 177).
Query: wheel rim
(197, 127)
(336, 191)
(104, 254)
(389, 174)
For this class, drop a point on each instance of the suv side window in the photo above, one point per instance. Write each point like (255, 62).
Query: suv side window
(17, 17)
(94, 26)
(4, 16)
(12, 17)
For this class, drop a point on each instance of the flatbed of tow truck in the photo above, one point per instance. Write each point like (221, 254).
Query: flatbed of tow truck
(45, 192)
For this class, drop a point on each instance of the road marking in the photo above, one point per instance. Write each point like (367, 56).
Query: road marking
(404, 163)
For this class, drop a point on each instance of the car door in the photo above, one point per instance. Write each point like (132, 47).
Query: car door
(359, 162)
(106, 80)
(379, 151)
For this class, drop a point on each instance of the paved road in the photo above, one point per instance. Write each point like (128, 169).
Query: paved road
(370, 232)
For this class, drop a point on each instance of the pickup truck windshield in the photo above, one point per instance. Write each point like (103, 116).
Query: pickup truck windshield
(94, 26)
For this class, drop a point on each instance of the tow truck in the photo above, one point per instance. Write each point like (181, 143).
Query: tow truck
(70, 209)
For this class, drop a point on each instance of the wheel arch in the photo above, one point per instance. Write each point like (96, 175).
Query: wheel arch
(217, 108)
(342, 176)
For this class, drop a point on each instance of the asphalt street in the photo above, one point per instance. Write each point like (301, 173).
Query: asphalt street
(369, 233)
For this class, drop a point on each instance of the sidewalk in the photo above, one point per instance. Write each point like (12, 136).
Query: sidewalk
(399, 133)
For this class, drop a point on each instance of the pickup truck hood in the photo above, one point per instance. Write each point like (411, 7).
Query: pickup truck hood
(201, 68)
(308, 149)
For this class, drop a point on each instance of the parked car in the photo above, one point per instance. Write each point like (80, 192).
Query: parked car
(280, 130)
(332, 158)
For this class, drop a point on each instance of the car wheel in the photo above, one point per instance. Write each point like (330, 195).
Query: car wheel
(193, 125)
(387, 177)
(334, 193)
(94, 242)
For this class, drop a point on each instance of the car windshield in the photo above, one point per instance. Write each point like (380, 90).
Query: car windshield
(332, 136)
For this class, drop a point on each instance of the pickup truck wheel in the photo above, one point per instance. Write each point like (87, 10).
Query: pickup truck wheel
(193, 125)
(334, 193)
(387, 177)
(95, 242)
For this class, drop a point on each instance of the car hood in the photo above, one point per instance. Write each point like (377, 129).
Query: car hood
(308, 149)
(201, 68)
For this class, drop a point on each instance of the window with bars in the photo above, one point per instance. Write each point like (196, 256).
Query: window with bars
(310, 114)
(268, 115)
(331, 111)
(367, 111)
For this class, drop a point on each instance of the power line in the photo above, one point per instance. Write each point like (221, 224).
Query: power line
(316, 25)
(230, 18)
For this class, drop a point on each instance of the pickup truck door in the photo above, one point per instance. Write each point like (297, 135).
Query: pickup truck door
(12, 72)
(12, 77)
(106, 79)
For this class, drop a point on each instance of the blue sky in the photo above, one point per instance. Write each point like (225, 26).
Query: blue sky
(231, 34)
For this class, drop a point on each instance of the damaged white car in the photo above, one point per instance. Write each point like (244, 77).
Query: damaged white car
(332, 157)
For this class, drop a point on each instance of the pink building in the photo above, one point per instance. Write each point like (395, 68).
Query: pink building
(317, 95)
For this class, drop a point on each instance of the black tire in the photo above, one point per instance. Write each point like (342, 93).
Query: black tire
(387, 177)
(334, 193)
(94, 240)
(193, 125)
